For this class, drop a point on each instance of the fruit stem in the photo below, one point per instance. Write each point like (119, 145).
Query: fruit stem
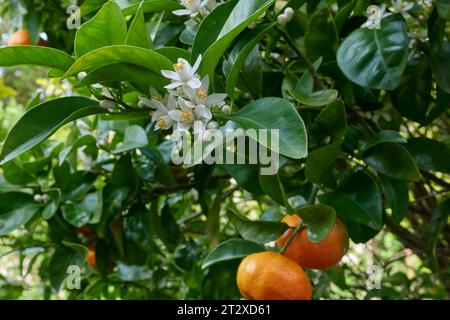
(291, 238)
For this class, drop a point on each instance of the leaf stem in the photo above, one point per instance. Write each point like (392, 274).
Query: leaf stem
(313, 196)
(310, 67)
(291, 238)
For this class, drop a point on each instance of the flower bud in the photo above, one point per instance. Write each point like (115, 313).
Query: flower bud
(81, 75)
(283, 19)
(107, 104)
(289, 12)
(213, 125)
(226, 109)
(37, 198)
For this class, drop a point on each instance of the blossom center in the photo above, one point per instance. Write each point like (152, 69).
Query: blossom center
(186, 115)
(201, 94)
(179, 66)
(162, 123)
(157, 97)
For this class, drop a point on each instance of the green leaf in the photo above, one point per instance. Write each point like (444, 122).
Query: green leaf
(320, 220)
(412, 97)
(383, 137)
(61, 260)
(81, 142)
(140, 76)
(231, 250)
(151, 6)
(16, 209)
(438, 221)
(50, 116)
(137, 34)
(376, 58)
(34, 55)
(443, 8)
(392, 160)
(52, 207)
(272, 186)
(321, 39)
(145, 58)
(430, 155)
(333, 120)
(221, 27)
(316, 99)
(241, 51)
(135, 137)
(343, 14)
(319, 160)
(15, 173)
(276, 113)
(357, 200)
(138, 227)
(397, 195)
(245, 174)
(107, 27)
(80, 214)
(257, 231)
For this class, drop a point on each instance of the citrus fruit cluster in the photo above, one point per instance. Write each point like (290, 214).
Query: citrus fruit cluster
(274, 276)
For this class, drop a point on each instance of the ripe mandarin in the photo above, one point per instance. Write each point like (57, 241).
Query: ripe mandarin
(271, 276)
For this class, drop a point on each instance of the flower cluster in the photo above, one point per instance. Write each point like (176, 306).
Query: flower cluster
(196, 10)
(187, 101)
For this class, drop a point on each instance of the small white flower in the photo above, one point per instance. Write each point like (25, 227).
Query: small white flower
(375, 15)
(193, 8)
(188, 113)
(183, 74)
(162, 106)
(283, 19)
(226, 109)
(81, 75)
(107, 104)
(213, 125)
(38, 198)
(200, 95)
(289, 12)
(402, 6)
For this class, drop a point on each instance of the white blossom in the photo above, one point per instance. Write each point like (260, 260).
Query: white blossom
(188, 113)
(402, 6)
(193, 8)
(200, 95)
(376, 14)
(183, 74)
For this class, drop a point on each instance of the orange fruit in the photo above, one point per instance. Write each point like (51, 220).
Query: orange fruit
(22, 38)
(91, 260)
(321, 255)
(271, 276)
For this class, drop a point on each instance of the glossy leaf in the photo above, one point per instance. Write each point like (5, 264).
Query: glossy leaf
(62, 259)
(320, 220)
(276, 113)
(80, 214)
(121, 53)
(16, 209)
(320, 160)
(321, 39)
(137, 33)
(376, 58)
(430, 154)
(231, 250)
(33, 55)
(50, 115)
(257, 231)
(357, 200)
(151, 6)
(333, 119)
(221, 27)
(392, 160)
(383, 137)
(108, 27)
(135, 137)
(397, 195)
(241, 51)
(316, 99)
(443, 8)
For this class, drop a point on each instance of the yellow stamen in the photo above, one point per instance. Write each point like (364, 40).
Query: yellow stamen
(157, 97)
(186, 115)
(179, 66)
(162, 124)
(201, 94)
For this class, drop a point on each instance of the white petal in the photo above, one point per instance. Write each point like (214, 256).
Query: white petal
(194, 83)
(182, 12)
(215, 98)
(203, 112)
(197, 64)
(205, 83)
(173, 85)
(175, 115)
(170, 75)
(184, 126)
